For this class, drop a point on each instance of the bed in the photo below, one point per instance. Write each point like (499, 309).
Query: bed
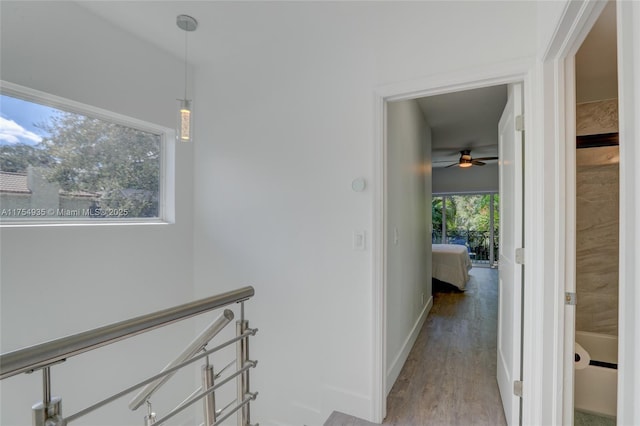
(451, 264)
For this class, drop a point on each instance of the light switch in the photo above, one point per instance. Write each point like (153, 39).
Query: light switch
(359, 240)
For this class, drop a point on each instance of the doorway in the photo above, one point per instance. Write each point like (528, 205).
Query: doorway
(384, 234)
(592, 319)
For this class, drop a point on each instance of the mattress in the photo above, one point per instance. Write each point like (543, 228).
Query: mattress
(451, 264)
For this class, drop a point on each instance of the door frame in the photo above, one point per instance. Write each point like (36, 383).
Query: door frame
(510, 72)
(628, 20)
(585, 24)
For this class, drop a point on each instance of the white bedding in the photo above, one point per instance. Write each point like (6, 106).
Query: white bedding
(451, 264)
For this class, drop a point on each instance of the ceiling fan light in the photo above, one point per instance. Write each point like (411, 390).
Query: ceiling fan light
(465, 162)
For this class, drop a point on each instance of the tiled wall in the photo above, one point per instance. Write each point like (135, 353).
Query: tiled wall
(597, 186)
(598, 117)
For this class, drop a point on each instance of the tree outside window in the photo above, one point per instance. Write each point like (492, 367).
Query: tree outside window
(72, 165)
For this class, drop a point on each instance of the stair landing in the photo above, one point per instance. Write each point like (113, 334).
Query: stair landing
(340, 419)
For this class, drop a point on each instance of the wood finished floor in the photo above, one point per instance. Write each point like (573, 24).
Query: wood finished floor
(449, 377)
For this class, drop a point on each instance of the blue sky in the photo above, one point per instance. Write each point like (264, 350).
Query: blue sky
(18, 119)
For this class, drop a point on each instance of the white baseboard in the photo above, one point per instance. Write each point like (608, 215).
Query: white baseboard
(396, 366)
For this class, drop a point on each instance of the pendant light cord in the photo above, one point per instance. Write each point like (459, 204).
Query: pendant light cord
(185, 63)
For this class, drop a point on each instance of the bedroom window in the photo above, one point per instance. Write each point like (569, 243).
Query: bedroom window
(468, 220)
(64, 162)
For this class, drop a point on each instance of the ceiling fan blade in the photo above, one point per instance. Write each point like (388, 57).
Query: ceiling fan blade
(477, 163)
(446, 151)
(451, 165)
(486, 158)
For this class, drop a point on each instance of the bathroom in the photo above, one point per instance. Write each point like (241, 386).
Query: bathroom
(597, 224)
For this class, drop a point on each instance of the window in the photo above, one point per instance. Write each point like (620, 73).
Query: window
(469, 220)
(62, 162)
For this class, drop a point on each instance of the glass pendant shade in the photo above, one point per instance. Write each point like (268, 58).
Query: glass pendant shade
(185, 121)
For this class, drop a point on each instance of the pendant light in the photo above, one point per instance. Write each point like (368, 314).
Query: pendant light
(185, 120)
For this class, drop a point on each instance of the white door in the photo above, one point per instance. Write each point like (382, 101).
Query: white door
(511, 230)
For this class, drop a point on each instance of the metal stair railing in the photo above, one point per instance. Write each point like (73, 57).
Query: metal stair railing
(48, 412)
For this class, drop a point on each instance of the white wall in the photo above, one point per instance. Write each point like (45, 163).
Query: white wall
(456, 180)
(408, 236)
(548, 15)
(58, 280)
(289, 125)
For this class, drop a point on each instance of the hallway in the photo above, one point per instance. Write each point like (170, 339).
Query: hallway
(450, 375)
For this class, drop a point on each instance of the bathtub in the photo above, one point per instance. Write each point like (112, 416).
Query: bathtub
(595, 387)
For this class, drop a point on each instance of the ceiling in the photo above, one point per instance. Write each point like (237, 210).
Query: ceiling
(462, 120)
(155, 22)
(458, 120)
(596, 60)
(469, 119)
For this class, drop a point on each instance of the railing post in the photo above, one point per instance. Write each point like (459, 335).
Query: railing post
(209, 401)
(150, 418)
(49, 411)
(492, 255)
(242, 356)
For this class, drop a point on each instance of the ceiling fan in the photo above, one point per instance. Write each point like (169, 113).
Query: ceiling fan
(467, 161)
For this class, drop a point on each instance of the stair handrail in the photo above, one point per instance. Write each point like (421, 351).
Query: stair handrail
(165, 372)
(196, 345)
(44, 354)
